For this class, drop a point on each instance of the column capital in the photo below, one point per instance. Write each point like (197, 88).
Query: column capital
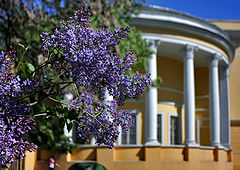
(214, 60)
(189, 51)
(191, 48)
(153, 43)
(224, 70)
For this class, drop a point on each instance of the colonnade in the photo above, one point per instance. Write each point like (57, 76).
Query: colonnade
(218, 100)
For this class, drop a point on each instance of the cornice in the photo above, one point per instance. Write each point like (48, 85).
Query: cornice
(165, 18)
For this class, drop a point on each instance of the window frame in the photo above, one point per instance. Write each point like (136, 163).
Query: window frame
(119, 141)
(179, 136)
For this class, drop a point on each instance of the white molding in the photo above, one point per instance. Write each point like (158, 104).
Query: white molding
(171, 89)
(170, 103)
(202, 109)
(164, 18)
(169, 15)
(137, 127)
(119, 141)
(184, 42)
(202, 96)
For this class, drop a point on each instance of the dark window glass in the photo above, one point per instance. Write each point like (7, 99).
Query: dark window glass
(174, 130)
(159, 128)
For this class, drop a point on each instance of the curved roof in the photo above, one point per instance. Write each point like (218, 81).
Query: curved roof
(160, 17)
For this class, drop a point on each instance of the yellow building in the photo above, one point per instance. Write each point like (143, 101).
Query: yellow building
(185, 123)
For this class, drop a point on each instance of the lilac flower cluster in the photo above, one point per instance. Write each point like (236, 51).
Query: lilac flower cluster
(100, 119)
(13, 146)
(89, 54)
(13, 124)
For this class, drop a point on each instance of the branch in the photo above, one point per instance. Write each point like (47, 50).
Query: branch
(42, 90)
(55, 100)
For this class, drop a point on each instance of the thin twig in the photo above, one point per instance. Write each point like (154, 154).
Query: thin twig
(41, 90)
(55, 100)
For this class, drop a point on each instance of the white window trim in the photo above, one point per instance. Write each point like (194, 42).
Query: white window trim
(162, 128)
(119, 142)
(198, 128)
(169, 127)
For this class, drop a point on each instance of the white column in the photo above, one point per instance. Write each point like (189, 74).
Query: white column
(189, 96)
(214, 101)
(224, 107)
(152, 98)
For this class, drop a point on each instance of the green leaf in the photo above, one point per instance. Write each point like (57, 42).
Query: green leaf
(58, 98)
(31, 67)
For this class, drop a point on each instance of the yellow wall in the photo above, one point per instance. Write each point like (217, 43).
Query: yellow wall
(235, 138)
(30, 160)
(171, 72)
(145, 158)
(234, 84)
(227, 25)
(234, 81)
(201, 81)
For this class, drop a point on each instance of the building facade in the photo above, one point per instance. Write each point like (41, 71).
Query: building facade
(186, 122)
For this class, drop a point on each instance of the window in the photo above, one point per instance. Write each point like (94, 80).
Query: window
(160, 127)
(175, 129)
(131, 137)
(125, 138)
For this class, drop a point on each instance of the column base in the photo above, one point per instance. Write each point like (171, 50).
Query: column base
(227, 146)
(152, 142)
(191, 143)
(217, 145)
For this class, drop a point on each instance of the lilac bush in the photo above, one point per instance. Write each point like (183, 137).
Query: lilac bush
(13, 146)
(89, 56)
(13, 123)
(86, 57)
(100, 118)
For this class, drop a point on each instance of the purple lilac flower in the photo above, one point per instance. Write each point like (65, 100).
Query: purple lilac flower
(13, 125)
(88, 56)
(100, 119)
(12, 146)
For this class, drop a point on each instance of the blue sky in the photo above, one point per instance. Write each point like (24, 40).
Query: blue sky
(207, 9)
